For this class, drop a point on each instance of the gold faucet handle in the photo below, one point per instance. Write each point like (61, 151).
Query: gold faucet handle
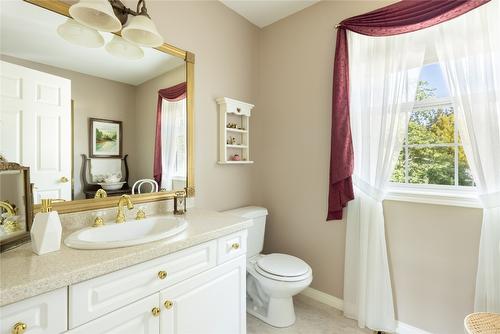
(141, 214)
(98, 221)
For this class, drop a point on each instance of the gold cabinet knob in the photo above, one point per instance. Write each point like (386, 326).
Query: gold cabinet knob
(235, 246)
(19, 328)
(162, 274)
(168, 304)
(155, 311)
(64, 179)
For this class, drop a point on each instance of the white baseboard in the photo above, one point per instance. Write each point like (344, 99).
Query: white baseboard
(408, 329)
(324, 298)
(339, 305)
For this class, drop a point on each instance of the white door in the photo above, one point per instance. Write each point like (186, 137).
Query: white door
(212, 302)
(135, 318)
(35, 127)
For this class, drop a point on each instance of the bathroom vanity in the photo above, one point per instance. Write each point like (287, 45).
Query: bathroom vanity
(191, 283)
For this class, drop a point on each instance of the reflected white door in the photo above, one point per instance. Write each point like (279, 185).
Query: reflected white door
(35, 127)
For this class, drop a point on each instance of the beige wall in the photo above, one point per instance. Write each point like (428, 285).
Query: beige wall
(145, 119)
(433, 253)
(433, 249)
(226, 49)
(118, 103)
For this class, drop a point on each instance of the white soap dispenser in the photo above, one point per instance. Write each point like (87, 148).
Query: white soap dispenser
(46, 230)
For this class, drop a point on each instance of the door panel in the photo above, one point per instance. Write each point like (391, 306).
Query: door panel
(10, 134)
(135, 318)
(217, 297)
(48, 94)
(10, 86)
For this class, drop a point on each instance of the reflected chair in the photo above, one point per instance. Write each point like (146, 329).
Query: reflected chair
(137, 187)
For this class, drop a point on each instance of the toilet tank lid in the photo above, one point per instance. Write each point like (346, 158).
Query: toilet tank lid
(248, 212)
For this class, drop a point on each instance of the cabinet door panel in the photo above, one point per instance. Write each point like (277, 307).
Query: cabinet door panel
(210, 303)
(231, 246)
(136, 318)
(41, 314)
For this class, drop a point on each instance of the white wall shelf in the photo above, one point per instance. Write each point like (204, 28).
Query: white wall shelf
(234, 162)
(236, 146)
(236, 130)
(234, 141)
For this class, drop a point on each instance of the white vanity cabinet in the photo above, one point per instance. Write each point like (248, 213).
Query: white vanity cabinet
(212, 302)
(197, 290)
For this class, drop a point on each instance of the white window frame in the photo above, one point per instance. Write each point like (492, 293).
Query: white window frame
(464, 196)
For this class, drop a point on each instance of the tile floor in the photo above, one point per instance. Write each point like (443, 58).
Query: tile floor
(312, 318)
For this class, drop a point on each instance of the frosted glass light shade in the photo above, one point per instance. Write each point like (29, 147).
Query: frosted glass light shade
(78, 34)
(142, 31)
(96, 14)
(120, 48)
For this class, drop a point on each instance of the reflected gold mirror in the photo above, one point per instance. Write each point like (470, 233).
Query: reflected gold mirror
(87, 110)
(15, 204)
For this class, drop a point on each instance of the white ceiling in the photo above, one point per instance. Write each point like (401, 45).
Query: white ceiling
(29, 32)
(265, 12)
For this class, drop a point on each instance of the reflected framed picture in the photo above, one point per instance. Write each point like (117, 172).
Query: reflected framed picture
(105, 138)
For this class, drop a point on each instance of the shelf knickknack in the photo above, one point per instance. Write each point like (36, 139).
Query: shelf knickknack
(234, 125)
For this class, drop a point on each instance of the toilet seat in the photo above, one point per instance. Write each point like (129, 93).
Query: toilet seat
(282, 267)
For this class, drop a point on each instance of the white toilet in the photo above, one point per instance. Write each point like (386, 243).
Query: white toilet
(272, 279)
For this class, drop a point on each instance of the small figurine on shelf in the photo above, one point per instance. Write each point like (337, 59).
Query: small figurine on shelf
(231, 141)
(231, 126)
(236, 157)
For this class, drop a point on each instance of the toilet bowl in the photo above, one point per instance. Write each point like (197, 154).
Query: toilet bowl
(272, 279)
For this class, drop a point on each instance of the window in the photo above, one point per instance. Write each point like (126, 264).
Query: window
(432, 153)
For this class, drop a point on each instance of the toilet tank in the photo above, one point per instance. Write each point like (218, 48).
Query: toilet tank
(255, 239)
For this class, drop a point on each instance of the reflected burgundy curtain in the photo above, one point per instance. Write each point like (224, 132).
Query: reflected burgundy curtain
(172, 94)
(401, 17)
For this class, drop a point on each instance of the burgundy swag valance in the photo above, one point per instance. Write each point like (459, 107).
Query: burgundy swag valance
(402, 17)
(171, 94)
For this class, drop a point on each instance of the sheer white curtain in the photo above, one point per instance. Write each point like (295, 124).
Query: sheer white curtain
(468, 48)
(384, 74)
(169, 114)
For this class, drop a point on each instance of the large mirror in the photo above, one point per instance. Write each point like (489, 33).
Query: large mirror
(87, 110)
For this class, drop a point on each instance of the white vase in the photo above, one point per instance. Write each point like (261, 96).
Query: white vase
(46, 232)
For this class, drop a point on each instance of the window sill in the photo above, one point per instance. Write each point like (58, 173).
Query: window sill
(433, 195)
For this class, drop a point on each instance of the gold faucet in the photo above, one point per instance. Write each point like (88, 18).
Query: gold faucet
(10, 210)
(120, 216)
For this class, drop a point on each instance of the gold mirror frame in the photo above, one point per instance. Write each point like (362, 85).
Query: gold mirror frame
(108, 202)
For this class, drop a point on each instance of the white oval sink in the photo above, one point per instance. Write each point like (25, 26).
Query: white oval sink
(130, 233)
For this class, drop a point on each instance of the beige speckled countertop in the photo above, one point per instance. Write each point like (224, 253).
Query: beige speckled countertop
(24, 274)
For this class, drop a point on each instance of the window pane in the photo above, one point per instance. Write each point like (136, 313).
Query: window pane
(432, 126)
(431, 83)
(432, 165)
(464, 173)
(399, 171)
